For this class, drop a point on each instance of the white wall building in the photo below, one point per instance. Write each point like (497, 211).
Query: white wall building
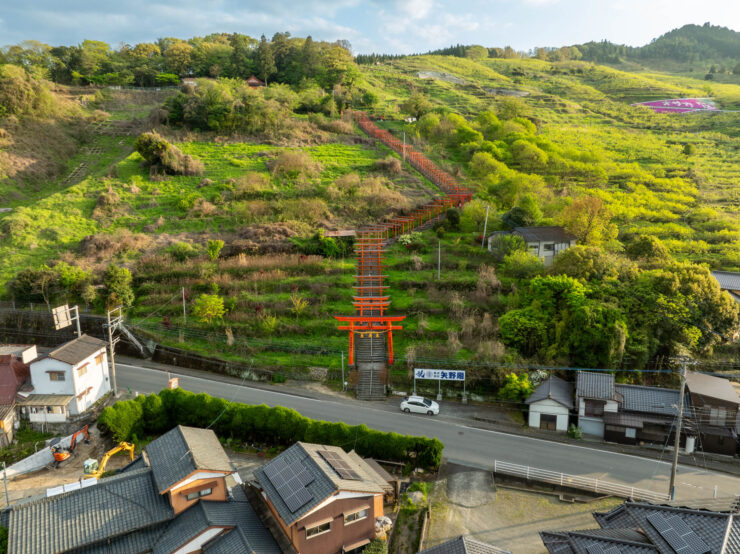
(595, 395)
(542, 242)
(77, 370)
(550, 405)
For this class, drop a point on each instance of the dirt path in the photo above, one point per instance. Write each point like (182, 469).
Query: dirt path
(464, 501)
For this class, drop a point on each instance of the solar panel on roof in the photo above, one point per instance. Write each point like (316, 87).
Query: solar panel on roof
(681, 538)
(290, 481)
(339, 465)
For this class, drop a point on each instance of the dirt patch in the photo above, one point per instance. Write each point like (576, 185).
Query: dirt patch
(465, 501)
(69, 471)
(448, 77)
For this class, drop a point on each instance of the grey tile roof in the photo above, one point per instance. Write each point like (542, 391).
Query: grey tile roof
(556, 542)
(711, 386)
(544, 234)
(464, 545)
(595, 385)
(650, 400)
(233, 542)
(733, 538)
(325, 480)
(727, 280)
(711, 527)
(115, 506)
(555, 389)
(595, 541)
(142, 540)
(183, 450)
(76, 350)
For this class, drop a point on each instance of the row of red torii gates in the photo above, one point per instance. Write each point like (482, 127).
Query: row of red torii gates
(371, 300)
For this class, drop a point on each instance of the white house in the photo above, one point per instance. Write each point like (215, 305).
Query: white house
(595, 395)
(68, 380)
(542, 242)
(550, 405)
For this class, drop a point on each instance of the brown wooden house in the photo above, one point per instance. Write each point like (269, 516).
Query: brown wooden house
(714, 406)
(324, 499)
(255, 82)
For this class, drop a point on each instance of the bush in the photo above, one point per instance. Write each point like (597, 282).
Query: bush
(389, 164)
(182, 251)
(160, 155)
(247, 423)
(575, 432)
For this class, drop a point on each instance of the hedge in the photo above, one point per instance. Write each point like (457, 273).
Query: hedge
(156, 413)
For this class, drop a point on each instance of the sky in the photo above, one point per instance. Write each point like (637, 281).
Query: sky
(387, 26)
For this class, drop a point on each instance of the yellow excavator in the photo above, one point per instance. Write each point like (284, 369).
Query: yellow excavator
(93, 469)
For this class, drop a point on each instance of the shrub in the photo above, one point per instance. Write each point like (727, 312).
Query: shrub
(161, 155)
(293, 163)
(389, 164)
(182, 251)
(517, 388)
(522, 265)
(214, 248)
(117, 286)
(275, 426)
(209, 307)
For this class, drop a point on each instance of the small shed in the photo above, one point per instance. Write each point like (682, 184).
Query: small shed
(550, 405)
(255, 82)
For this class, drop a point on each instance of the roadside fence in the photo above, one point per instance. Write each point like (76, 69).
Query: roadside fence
(577, 482)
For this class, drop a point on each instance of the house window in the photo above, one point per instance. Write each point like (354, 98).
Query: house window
(82, 370)
(319, 529)
(198, 494)
(630, 433)
(549, 247)
(99, 358)
(57, 376)
(355, 516)
(594, 408)
(717, 416)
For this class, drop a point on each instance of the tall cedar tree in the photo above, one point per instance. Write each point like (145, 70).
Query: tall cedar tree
(265, 59)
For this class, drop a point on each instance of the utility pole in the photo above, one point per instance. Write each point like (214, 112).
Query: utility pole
(485, 230)
(439, 259)
(115, 318)
(184, 315)
(404, 146)
(342, 370)
(674, 467)
(5, 481)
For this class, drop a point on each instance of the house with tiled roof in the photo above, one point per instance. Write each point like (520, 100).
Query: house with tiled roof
(639, 528)
(15, 372)
(324, 499)
(67, 381)
(595, 396)
(648, 415)
(714, 406)
(464, 544)
(550, 404)
(542, 242)
(168, 500)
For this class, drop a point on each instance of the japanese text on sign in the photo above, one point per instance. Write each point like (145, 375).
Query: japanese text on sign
(439, 374)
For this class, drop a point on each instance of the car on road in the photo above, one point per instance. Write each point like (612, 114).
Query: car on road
(420, 405)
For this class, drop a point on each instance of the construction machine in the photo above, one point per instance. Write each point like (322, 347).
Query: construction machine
(60, 453)
(95, 469)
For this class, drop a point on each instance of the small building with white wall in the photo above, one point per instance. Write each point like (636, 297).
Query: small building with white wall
(544, 243)
(68, 380)
(550, 405)
(595, 396)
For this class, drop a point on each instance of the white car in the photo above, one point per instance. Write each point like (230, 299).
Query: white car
(420, 405)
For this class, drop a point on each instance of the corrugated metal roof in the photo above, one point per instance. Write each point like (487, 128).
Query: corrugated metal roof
(183, 450)
(463, 545)
(47, 399)
(74, 351)
(116, 506)
(711, 386)
(590, 384)
(555, 389)
(727, 280)
(544, 234)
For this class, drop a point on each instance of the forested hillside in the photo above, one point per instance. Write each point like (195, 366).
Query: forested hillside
(233, 195)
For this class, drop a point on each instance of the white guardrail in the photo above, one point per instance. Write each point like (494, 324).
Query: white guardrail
(578, 482)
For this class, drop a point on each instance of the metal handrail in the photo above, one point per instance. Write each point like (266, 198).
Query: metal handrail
(578, 482)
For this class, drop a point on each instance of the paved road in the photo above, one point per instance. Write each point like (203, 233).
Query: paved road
(463, 444)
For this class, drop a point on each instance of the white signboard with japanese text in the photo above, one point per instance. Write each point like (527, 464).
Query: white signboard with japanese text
(440, 374)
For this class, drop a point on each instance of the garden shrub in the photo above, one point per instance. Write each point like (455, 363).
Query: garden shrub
(279, 426)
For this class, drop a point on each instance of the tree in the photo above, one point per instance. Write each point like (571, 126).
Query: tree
(145, 51)
(647, 248)
(214, 248)
(265, 60)
(517, 388)
(310, 57)
(689, 149)
(736, 69)
(417, 105)
(178, 58)
(589, 263)
(529, 156)
(589, 220)
(117, 286)
(209, 307)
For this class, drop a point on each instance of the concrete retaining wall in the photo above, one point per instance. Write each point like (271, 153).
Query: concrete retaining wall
(36, 461)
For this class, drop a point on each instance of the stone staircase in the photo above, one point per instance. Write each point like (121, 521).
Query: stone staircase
(370, 361)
